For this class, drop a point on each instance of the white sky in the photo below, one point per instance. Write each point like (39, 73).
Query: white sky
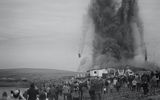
(40, 33)
(46, 33)
(150, 15)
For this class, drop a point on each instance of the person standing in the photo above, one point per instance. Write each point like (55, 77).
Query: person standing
(118, 85)
(111, 87)
(153, 83)
(75, 94)
(56, 93)
(86, 95)
(52, 92)
(42, 95)
(145, 88)
(98, 88)
(92, 91)
(32, 93)
(138, 80)
(4, 96)
(66, 91)
(134, 83)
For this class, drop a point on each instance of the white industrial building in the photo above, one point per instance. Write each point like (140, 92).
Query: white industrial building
(121, 72)
(111, 71)
(98, 72)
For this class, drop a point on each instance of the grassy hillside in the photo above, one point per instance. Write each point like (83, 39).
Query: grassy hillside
(32, 74)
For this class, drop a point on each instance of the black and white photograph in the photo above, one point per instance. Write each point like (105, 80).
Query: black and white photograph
(79, 49)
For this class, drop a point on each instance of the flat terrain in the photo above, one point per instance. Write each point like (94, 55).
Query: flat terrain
(32, 74)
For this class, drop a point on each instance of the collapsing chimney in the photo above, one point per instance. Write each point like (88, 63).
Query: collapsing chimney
(118, 32)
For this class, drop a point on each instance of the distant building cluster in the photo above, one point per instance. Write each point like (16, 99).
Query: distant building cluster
(105, 72)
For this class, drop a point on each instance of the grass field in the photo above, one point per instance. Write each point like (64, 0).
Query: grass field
(34, 74)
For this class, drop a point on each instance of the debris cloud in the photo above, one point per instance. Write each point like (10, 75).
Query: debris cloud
(118, 32)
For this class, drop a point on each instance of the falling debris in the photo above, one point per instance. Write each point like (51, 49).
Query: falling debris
(118, 31)
(79, 55)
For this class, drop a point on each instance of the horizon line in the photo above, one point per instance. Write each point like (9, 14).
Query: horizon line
(40, 68)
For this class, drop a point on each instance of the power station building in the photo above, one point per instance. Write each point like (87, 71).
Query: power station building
(101, 72)
(109, 71)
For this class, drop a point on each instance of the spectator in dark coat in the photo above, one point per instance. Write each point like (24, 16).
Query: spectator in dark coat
(4, 96)
(32, 93)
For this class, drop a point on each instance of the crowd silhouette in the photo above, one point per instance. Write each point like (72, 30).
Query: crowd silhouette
(89, 88)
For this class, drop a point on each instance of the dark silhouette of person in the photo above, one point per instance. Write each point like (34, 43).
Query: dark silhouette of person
(32, 92)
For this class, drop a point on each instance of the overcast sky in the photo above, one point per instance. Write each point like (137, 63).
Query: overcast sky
(46, 33)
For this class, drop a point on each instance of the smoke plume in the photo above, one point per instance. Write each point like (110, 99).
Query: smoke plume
(118, 32)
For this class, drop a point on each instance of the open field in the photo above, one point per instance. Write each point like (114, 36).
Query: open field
(34, 74)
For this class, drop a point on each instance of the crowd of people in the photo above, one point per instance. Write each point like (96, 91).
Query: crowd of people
(88, 88)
